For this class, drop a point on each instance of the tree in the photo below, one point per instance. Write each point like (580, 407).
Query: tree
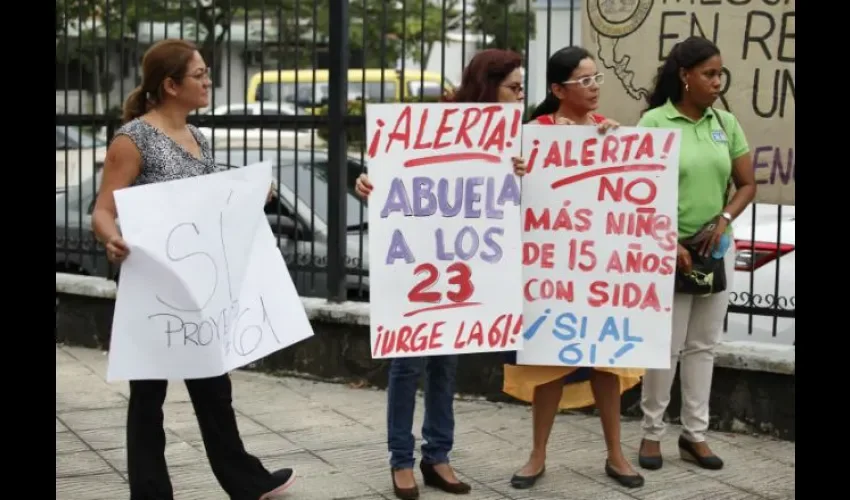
(208, 21)
(382, 28)
(80, 35)
(509, 24)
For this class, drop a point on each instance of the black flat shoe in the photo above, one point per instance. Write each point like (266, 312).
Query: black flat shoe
(404, 493)
(688, 453)
(651, 462)
(630, 481)
(434, 479)
(283, 479)
(525, 482)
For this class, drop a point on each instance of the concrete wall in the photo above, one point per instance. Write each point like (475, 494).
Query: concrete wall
(753, 391)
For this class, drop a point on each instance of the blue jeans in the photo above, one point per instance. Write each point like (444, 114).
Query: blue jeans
(439, 426)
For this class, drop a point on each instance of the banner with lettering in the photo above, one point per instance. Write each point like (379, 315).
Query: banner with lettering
(204, 289)
(444, 228)
(599, 246)
(757, 41)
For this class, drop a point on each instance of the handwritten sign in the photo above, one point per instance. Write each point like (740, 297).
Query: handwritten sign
(758, 44)
(444, 228)
(204, 289)
(599, 246)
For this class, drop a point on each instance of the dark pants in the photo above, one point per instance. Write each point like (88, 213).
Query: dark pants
(439, 425)
(240, 474)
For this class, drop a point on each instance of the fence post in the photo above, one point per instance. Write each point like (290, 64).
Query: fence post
(337, 149)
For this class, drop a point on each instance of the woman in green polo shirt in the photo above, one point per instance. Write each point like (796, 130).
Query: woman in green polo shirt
(714, 150)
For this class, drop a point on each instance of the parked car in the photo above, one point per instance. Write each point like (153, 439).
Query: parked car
(302, 202)
(78, 155)
(764, 248)
(77, 250)
(255, 109)
(297, 214)
(272, 137)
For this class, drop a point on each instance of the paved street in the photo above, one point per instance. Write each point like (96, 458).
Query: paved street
(334, 436)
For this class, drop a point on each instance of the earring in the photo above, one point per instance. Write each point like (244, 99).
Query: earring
(686, 86)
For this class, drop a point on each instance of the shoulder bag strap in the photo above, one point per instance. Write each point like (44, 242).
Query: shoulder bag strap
(728, 145)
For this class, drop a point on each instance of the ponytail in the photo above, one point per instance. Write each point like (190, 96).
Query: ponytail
(135, 105)
(547, 107)
(667, 84)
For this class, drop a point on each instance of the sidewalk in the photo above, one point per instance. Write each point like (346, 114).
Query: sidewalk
(335, 438)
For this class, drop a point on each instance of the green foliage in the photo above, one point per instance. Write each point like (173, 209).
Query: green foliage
(202, 20)
(384, 30)
(509, 25)
(413, 25)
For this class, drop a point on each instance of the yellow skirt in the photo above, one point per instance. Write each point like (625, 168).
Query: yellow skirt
(520, 381)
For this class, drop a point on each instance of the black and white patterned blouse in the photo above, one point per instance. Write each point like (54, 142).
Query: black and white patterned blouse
(163, 159)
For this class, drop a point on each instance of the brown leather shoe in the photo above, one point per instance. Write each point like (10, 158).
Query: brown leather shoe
(434, 479)
(404, 493)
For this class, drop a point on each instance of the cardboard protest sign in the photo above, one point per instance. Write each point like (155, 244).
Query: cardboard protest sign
(444, 228)
(599, 246)
(757, 39)
(204, 289)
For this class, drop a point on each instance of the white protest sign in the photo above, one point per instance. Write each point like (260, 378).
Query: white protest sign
(599, 246)
(205, 289)
(444, 228)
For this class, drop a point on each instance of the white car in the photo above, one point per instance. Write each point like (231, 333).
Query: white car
(254, 109)
(270, 138)
(78, 156)
(761, 253)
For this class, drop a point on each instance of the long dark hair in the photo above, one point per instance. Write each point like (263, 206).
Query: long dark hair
(559, 68)
(483, 75)
(686, 54)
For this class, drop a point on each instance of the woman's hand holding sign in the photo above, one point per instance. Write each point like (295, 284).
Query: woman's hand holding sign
(519, 166)
(116, 249)
(607, 125)
(363, 187)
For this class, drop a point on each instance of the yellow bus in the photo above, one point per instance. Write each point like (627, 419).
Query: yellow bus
(297, 86)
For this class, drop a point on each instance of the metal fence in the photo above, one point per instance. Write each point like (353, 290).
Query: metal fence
(262, 108)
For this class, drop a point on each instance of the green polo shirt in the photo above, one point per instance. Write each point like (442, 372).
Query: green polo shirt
(705, 161)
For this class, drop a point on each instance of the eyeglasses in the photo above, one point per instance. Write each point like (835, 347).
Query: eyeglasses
(516, 88)
(200, 75)
(587, 81)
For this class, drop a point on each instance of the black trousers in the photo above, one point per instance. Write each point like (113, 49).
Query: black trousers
(240, 474)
